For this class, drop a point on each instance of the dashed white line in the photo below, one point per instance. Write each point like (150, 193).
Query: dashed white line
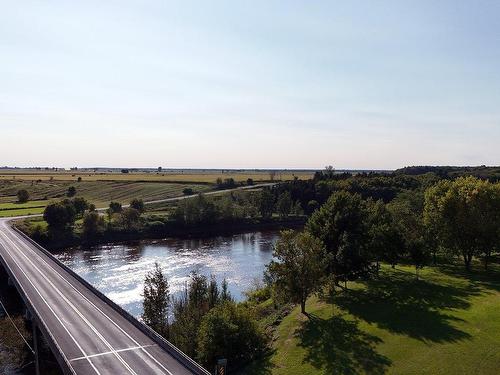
(73, 307)
(106, 353)
(97, 308)
(50, 308)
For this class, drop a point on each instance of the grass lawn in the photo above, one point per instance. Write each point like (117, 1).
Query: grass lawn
(17, 209)
(446, 323)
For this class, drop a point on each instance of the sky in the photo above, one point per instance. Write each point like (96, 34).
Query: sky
(249, 84)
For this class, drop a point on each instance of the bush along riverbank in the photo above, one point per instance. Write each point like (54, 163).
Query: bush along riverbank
(76, 222)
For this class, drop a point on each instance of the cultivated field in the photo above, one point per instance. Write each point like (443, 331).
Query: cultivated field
(99, 193)
(181, 176)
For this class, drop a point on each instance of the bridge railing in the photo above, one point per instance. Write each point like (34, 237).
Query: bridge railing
(175, 352)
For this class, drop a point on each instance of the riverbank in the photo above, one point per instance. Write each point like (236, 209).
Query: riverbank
(151, 229)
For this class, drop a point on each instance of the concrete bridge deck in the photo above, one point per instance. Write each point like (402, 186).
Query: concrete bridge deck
(87, 333)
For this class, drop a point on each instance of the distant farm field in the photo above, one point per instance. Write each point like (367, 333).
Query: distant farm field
(101, 187)
(204, 177)
(99, 193)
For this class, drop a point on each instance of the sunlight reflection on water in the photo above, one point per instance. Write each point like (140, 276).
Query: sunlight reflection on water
(118, 270)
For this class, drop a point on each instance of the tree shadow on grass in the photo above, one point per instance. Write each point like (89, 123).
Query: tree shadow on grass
(338, 346)
(415, 308)
(489, 279)
(261, 366)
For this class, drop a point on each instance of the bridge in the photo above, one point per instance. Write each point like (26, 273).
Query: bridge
(86, 331)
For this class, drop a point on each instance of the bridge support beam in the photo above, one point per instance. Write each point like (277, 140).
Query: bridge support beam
(35, 348)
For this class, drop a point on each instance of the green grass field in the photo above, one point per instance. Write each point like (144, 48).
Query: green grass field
(446, 323)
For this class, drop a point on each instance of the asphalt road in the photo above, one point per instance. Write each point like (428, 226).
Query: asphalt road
(92, 337)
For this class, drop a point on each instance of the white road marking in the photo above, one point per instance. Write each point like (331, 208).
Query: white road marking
(106, 353)
(53, 267)
(98, 309)
(50, 308)
(90, 325)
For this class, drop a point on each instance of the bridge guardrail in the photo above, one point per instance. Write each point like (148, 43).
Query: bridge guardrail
(188, 362)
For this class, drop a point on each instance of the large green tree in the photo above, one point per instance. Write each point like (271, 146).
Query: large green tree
(298, 266)
(342, 225)
(229, 331)
(60, 215)
(93, 225)
(266, 203)
(23, 196)
(284, 204)
(465, 216)
(386, 243)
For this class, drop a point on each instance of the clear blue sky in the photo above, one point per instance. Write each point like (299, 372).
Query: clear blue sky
(356, 84)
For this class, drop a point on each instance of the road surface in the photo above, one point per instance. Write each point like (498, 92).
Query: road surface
(92, 337)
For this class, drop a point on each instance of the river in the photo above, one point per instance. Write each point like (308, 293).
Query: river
(118, 270)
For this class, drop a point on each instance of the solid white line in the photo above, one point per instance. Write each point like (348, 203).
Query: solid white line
(50, 308)
(53, 267)
(106, 353)
(98, 334)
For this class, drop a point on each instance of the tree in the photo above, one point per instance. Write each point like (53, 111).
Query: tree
(213, 292)
(225, 295)
(80, 204)
(249, 181)
(60, 215)
(386, 241)
(284, 204)
(266, 204)
(114, 208)
(71, 191)
(465, 216)
(342, 225)
(298, 266)
(187, 191)
(229, 331)
(418, 255)
(93, 225)
(156, 300)
(312, 206)
(129, 218)
(23, 196)
(137, 204)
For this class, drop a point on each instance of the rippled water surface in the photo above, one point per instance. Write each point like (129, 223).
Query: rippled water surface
(118, 270)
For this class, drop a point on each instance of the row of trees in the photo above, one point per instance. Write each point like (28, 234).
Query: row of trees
(348, 236)
(233, 206)
(206, 323)
(61, 217)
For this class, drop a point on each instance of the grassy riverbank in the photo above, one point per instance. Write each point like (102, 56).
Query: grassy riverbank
(446, 323)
